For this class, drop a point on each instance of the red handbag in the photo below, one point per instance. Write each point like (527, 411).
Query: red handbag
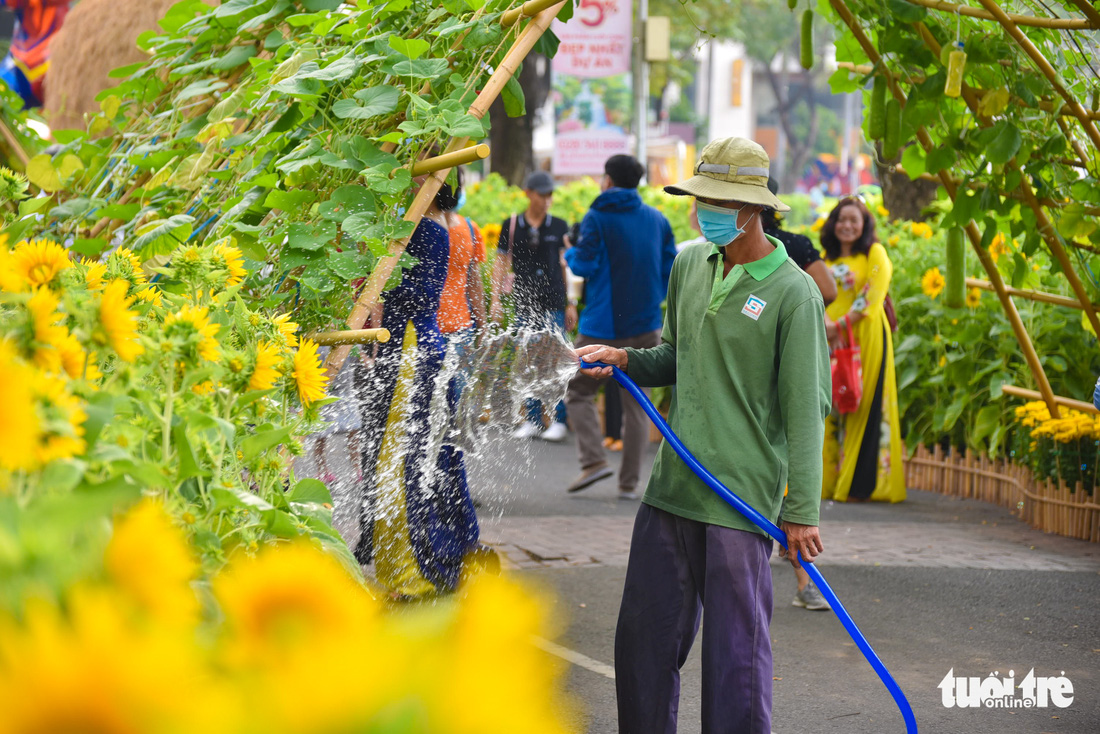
(847, 375)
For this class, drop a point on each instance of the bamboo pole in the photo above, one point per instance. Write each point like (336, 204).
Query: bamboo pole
(1046, 228)
(1089, 10)
(985, 285)
(1044, 66)
(450, 160)
(971, 229)
(1026, 20)
(528, 9)
(385, 266)
(1023, 392)
(13, 141)
(352, 336)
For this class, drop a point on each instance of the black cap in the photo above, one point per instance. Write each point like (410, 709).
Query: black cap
(773, 186)
(540, 182)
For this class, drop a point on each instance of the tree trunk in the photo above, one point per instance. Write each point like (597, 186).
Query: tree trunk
(511, 139)
(904, 198)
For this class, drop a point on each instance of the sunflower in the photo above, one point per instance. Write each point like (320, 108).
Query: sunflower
(125, 264)
(38, 262)
(48, 334)
(64, 424)
(118, 324)
(21, 428)
(308, 374)
(973, 297)
(94, 274)
(10, 280)
(290, 594)
(266, 371)
(150, 294)
(148, 556)
(73, 357)
(231, 260)
(998, 247)
(197, 317)
(932, 283)
(287, 328)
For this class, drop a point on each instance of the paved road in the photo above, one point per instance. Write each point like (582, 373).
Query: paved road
(936, 584)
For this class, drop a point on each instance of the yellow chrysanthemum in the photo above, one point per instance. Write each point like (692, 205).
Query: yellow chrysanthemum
(973, 297)
(816, 226)
(932, 283)
(124, 262)
(287, 328)
(893, 240)
(197, 317)
(921, 229)
(94, 274)
(943, 361)
(20, 429)
(308, 375)
(266, 371)
(150, 559)
(38, 262)
(882, 211)
(117, 323)
(233, 262)
(288, 595)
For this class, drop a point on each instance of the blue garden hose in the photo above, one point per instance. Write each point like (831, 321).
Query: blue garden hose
(771, 529)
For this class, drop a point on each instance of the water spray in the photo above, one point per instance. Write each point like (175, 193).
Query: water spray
(774, 531)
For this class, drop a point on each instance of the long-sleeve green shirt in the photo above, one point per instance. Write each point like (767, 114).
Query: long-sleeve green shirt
(749, 359)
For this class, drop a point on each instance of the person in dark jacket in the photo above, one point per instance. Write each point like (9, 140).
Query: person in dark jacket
(625, 254)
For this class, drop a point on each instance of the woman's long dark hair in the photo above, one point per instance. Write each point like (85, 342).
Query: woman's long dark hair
(861, 246)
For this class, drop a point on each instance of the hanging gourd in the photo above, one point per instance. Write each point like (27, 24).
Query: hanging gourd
(891, 140)
(956, 64)
(792, 4)
(807, 55)
(955, 287)
(876, 126)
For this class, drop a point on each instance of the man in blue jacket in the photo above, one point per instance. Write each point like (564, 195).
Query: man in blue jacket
(625, 253)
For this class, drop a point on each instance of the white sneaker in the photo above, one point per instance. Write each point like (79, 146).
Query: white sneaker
(556, 432)
(527, 430)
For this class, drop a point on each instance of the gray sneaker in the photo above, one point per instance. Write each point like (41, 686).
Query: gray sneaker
(811, 598)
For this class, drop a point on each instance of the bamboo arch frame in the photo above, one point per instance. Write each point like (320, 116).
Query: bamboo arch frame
(544, 12)
(1071, 108)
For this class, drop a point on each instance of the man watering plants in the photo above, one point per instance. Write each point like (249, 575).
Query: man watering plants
(744, 345)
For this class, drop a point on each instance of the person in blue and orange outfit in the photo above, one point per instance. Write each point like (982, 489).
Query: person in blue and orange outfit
(24, 68)
(418, 524)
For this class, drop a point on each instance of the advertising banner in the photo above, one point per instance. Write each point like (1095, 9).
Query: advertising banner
(596, 42)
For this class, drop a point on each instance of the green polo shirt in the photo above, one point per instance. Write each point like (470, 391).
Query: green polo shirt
(748, 355)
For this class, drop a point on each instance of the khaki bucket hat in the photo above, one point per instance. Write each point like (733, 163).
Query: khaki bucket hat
(731, 169)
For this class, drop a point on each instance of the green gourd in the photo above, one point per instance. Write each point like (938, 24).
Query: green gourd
(955, 277)
(807, 55)
(877, 124)
(792, 4)
(891, 140)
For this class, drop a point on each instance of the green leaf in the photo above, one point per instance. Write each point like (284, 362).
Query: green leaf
(41, 173)
(186, 462)
(842, 82)
(350, 265)
(419, 68)
(63, 476)
(310, 490)
(253, 446)
(288, 201)
(414, 48)
(941, 157)
(1006, 140)
(985, 423)
(463, 126)
(368, 103)
(162, 236)
(515, 104)
(232, 59)
(346, 201)
(912, 160)
(306, 154)
(310, 237)
(232, 499)
(30, 206)
(341, 69)
(281, 524)
(905, 12)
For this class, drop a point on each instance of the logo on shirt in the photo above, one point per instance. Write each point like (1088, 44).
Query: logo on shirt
(754, 307)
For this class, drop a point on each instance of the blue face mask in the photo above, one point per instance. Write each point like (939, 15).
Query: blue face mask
(461, 199)
(719, 225)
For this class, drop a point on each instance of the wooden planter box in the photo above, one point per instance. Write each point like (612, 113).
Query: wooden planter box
(1046, 506)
